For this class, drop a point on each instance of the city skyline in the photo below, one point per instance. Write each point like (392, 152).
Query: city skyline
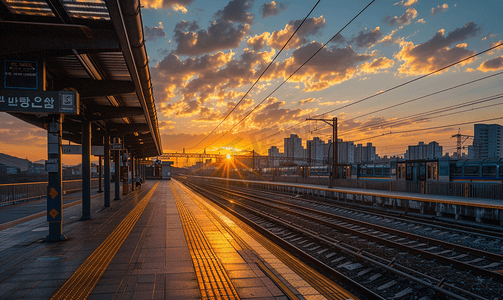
(204, 58)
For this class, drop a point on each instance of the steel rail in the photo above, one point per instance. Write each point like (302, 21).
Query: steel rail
(337, 244)
(442, 259)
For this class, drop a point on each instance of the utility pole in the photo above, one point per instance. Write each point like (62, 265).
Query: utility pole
(460, 142)
(335, 166)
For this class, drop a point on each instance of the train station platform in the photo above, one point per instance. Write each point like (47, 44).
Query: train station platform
(159, 242)
(463, 209)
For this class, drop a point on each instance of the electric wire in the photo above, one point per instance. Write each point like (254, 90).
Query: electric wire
(422, 116)
(429, 128)
(388, 90)
(424, 96)
(291, 75)
(262, 74)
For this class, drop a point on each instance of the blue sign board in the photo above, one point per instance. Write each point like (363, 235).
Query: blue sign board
(57, 102)
(22, 74)
(54, 204)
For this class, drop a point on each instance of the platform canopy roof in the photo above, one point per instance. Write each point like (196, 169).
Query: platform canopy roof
(95, 47)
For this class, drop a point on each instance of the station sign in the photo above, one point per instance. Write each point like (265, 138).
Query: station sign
(115, 146)
(22, 74)
(52, 102)
(77, 149)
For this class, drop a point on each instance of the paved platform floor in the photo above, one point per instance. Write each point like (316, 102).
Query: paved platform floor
(160, 242)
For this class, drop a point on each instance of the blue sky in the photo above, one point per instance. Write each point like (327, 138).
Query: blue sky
(205, 55)
(388, 44)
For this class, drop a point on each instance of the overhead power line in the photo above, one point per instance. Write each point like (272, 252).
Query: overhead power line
(291, 75)
(413, 80)
(388, 90)
(263, 72)
(429, 128)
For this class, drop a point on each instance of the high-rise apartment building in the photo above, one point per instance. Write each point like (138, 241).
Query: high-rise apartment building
(294, 149)
(365, 154)
(422, 151)
(315, 151)
(274, 154)
(487, 142)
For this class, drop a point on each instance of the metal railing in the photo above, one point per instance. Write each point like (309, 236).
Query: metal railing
(20, 192)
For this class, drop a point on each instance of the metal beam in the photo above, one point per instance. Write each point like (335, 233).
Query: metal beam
(22, 37)
(109, 112)
(59, 11)
(89, 88)
(5, 13)
(137, 68)
(115, 128)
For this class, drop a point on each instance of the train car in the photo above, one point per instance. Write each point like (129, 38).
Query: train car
(422, 170)
(374, 171)
(489, 170)
(318, 171)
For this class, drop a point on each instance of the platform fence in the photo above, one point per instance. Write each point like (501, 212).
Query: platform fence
(20, 192)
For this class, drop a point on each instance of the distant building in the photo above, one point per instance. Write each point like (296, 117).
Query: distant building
(422, 151)
(365, 154)
(315, 151)
(345, 152)
(272, 153)
(294, 149)
(487, 142)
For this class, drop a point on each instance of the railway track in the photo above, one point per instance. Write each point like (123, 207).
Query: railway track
(388, 262)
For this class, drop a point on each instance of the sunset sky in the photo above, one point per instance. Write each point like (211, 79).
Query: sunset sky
(205, 55)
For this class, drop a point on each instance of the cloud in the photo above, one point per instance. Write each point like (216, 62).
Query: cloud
(236, 11)
(18, 133)
(176, 5)
(308, 100)
(439, 9)
(406, 3)
(494, 64)
(186, 26)
(153, 33)
(212, 77)
(489, 36)
(435, 53)
(312, 26)
(271, 9)
(166, 124)
(420, 21)
(221, 35)
(257, 42)
(404, 19)
(328, 67)
(388, 39)
(272, 113)
(376, 65)
(367, 39)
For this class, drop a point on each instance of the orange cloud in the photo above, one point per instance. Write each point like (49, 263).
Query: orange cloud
(494, 64)
(376, 65)
(311, 27)
(404, 19)
(328, 67)
(308, 100)
(435, 53)
(257, 42)
(176, 5)
(406, 3)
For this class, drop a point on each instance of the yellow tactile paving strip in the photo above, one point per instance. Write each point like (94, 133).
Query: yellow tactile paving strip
(213, 280)
(325, 286)
(83, 281)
